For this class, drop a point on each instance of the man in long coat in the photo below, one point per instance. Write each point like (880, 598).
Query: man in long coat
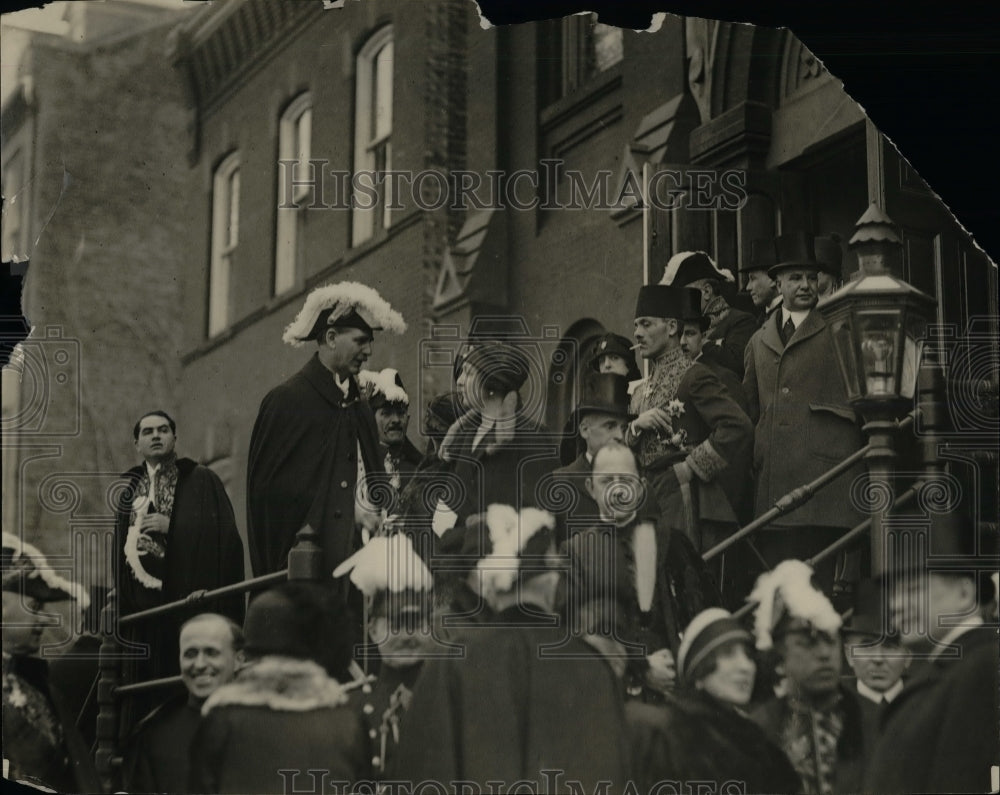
(804, 423)
(315, 437)
(940, 734)
(688, 428)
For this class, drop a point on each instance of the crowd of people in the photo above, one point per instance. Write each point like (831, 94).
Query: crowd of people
(525, 609)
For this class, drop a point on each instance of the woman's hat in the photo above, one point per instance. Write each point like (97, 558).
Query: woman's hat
(707, 631)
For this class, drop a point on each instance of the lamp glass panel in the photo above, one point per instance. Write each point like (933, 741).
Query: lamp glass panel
(843, 343)
(880, 336)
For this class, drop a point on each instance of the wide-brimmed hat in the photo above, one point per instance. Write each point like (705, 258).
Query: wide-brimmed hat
(668, 301)
(345, 304)
(797, 250)
(685, 267)
(867, 616)
(26, 571)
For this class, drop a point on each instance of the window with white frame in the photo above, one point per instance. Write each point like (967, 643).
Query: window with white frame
(225, 236)
(573, 51)
(372, 137)
(295, 180)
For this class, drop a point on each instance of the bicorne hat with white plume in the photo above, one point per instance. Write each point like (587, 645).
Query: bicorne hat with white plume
(787, 599)
(345, 304)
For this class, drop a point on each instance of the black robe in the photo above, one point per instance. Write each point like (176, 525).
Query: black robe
(303, 467)
(506, 712)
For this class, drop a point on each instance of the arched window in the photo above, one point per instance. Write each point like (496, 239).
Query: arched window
(295, 178)
(372, 136)
(225, 236)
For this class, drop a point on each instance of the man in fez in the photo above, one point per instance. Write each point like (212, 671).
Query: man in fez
(315, 437)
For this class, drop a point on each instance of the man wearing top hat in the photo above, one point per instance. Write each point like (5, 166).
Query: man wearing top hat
(41, 745)
(315, 437)
(804, 422)
(759, 284)
(687, 428)
(940, 734)
(732, 328)
(599, 418)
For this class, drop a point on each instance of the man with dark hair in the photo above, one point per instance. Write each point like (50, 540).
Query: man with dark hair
(211, 652)
(687, 428)
(175, 534)
(759, 283)
(315, 437)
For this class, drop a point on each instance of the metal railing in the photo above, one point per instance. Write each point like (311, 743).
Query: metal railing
(305, 562)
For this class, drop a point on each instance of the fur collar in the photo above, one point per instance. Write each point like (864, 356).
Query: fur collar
(282, 684)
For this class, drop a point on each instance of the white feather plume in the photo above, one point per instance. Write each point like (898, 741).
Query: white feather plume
(791, 581)
(674, 264)
(509, 533)
(383, 382)
(387, 563)
(40, 567)
(343, 297)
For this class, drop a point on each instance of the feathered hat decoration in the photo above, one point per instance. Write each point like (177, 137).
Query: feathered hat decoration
(387, 563)
(386, 385)
(510, 532)
(688, 266)
(788, 590)
(26, 569)
(339, 301)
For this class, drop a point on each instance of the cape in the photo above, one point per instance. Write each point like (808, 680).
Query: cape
(303, 467)
(505, 712)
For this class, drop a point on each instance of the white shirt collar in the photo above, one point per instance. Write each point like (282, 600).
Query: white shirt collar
(344, 386)
(954, 634)
(796, 316)
(877, 697)
(588, 456)
(151, 469)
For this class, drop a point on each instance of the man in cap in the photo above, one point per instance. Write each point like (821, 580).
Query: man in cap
(940, 734)
(613, 353)
(522, 706)
(159, 759)
(599, 418)
(397, 585)
(41, 745)
(816, 721)
(804, 422)
(688, 428)
(315, 436)
(175, 533)
(391, 405)
(731, 328)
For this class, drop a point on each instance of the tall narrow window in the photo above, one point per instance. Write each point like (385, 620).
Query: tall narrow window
(294, 187)
(372, 137)
(573, 51)
(225, 236)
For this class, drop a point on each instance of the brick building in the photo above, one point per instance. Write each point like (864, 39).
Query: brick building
(94, 188)
(408, 87)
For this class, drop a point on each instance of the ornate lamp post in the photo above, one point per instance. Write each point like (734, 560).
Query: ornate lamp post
(878, 322)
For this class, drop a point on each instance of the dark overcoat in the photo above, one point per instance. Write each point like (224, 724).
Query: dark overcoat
(804, 423)
(582, 510)
(505, 711)
(731, 335)
(940, 733)
(303, 467)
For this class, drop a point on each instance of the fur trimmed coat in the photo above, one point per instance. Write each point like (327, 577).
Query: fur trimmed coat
(694, 739)
(280, 727)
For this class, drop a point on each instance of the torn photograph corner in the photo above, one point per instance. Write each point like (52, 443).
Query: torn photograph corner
(396, 400)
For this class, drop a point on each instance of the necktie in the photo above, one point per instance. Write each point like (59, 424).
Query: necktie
(787, 331)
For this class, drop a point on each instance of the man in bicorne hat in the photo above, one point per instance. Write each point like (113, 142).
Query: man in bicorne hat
(731, 328)
(41, 745)
(804, 422)
(391, 405)
(599, 418)
(315, 437)
(687, 428)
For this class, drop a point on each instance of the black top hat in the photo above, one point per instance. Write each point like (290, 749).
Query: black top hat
(829, 253)
(867, 617)
(661, 300)
(763, 255)
(606, 393)
(798, 250)
(615, 345)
